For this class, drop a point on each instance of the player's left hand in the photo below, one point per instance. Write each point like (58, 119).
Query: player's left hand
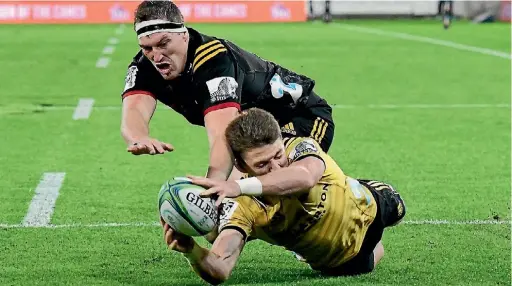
(176, 241)
(219, 188)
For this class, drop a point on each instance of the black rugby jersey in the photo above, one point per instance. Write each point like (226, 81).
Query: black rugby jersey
(219, 74)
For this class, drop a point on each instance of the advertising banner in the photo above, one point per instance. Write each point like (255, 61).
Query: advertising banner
(67, 12)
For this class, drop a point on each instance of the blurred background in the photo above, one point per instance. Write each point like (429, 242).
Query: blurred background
(249, 11)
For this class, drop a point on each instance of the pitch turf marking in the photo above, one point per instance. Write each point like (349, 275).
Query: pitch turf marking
(149, 224)
(429, 40)
(83, 109)
(113, 41)
(423, 106)
(108, 50)
(102, 62)
(43, 203)
(120, 30)
(28, 107)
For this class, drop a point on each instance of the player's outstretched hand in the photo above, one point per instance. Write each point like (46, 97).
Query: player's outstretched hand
(176, 241)
(217, 188)
(149, 146)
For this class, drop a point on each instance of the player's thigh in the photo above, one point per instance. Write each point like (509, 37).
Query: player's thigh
(318, 128)
(362, 263)
(391, 207)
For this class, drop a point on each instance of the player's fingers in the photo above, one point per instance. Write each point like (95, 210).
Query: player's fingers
(172, 245)
(158, 148)
(162, 222)
(209, 192)
(219, 200)
(150, 149)
(167, 147)
(205, 182)
(133, 148)
(138, 149)
(168, 237)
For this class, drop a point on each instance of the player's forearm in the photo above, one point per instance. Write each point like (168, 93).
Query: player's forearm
(137, 112)
(209, 266)
(221, 160)
(287, 181)
(134, 125)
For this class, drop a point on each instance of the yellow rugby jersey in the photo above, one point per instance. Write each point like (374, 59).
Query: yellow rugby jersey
(326, 226)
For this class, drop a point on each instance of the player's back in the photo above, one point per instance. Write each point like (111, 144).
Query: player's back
(326, 225)
(270, 86)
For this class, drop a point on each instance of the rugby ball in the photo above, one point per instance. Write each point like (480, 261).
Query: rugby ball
(184, 210)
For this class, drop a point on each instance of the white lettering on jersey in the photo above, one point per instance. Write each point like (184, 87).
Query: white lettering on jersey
(222, 88)
(130, 78)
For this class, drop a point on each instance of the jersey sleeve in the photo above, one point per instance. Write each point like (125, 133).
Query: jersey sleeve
(298, 148)
(217, 83)
(237, 214)
(138, 81)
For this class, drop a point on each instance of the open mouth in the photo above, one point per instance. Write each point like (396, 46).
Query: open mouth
(163, 67)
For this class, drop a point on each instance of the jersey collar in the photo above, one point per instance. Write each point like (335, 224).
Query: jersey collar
(193, 44)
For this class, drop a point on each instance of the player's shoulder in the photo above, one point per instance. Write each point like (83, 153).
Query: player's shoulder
(296, 147)
(210, 51)
(141, 75)
(141, 66)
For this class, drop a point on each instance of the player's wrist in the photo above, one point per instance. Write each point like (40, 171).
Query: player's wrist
(194, 253)
(250, 186)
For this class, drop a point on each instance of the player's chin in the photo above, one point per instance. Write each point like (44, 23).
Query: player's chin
(169, 75)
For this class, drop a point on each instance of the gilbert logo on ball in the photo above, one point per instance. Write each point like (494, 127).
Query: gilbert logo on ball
(184, 210)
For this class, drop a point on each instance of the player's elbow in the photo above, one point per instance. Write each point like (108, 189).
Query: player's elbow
(218, 278)
(223, 278)
(214, 281)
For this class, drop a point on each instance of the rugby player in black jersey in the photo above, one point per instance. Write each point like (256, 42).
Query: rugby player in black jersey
(209, 81)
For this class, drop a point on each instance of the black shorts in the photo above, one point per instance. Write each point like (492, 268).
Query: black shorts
(390, 211)
(316, 123)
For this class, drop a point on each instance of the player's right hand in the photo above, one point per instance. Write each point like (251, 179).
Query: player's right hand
(176, 241)
(149, 146)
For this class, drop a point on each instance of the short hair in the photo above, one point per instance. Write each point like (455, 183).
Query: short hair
(158, 10)
(254, 128)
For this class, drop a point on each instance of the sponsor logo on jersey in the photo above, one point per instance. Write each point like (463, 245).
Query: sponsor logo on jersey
(306, 146)
(130, 78)
(227, 210)
(278, 88)
(222, 88)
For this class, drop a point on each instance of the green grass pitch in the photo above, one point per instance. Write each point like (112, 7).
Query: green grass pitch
(443, 141)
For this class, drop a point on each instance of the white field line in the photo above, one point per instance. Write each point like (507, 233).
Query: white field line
(120, 29)
(102, 62)
(423, 106)
(336, 106)
(83, 109)
(429, 40)
(153, 224)
(41, 208)
(113, 41)
(108, 50)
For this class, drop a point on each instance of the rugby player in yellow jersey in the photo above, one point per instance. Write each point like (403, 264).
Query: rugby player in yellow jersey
(297, 197)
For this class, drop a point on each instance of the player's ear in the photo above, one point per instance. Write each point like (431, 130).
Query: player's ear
(185, 37)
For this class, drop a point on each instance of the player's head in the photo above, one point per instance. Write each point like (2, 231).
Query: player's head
(256, 143)
(162, 36)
